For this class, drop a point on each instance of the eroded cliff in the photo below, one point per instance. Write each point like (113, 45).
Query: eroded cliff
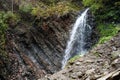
(35, 45)
(38, 49)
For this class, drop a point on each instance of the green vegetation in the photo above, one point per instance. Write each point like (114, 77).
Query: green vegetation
(43, 9)
(5, 19)
(75, 58)
(25, 7)
(94, 4)
(107, 14)
(104, 10)
(3, 27)
(107, 31)
(60, 8)
(97, 54)
(11, 18)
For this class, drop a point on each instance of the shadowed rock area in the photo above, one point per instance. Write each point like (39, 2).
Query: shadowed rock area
(38, 50)
(34, 36)
(35, 46)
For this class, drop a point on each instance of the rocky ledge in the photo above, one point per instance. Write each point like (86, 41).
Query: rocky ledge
(37, 48)
(100, 63)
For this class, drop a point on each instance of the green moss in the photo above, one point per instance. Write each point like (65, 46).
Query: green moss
(75, 58)
(25, 7)
(107, 31)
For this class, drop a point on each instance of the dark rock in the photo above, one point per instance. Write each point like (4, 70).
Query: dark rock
(38, 50)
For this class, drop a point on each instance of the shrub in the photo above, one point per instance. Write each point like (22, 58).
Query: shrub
(74, 58)
(12, 18)
(39, 10)
(3, 24)
(107, 31)
(3, 27)
(60, 8)
(25, 7)
(94, 4)
(5, 18)
(104, 10)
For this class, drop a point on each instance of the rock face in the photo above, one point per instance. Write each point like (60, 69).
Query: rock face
(37, 50)
(101, 63)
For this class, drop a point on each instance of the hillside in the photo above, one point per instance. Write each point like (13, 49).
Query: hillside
(34, 35)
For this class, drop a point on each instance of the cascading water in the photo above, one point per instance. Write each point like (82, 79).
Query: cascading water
(81, 31)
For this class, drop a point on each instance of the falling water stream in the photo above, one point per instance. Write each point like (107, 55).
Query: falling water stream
(77, 42)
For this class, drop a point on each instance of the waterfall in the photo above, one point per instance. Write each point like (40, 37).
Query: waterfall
(78, 36)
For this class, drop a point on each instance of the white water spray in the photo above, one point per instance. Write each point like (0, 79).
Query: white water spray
(77, 37)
